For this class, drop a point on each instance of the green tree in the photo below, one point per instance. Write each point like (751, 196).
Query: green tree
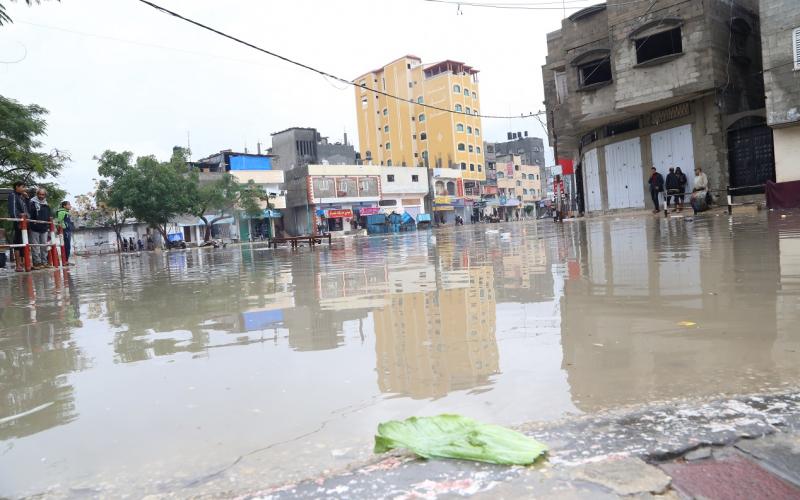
(222, 198)
(4, 18)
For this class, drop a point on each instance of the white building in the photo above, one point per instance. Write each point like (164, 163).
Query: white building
(403, 189)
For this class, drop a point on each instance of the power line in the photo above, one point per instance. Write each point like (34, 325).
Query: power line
(532, 6)
(319, 71)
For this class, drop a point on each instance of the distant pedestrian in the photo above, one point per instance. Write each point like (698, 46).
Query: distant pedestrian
(64, 221)
(39, 230)
(17, 209)
(656, 183)
(139, 244)
(701, 197)
(151, 245)
(682, 182)
(124, 245)
(673, 188)
(131, 244)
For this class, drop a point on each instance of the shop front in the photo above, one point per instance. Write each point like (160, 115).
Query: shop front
(447, 208)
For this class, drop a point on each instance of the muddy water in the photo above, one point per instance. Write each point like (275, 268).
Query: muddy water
(219, 371)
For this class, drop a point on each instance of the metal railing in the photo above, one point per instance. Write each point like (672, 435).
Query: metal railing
(56, 253)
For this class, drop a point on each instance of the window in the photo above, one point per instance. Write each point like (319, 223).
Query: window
(469, 129)
(459, 127)
(796, 45)
(423, 136)
(390, 178)
(414, 136)
(524, 191)
(387, 203)
(658, 45)
(524, 177)
(466, 92)
(500, 175)
(516, 167)
(364, 103)
(368, 155)
(457, 89)
(471, 149)
(477, 131)
(471, 167)
(476, 112)
(414, 178)
(561, 86)
(477, 149)
(451, 188)
(595, 72)
(422, 117)
(519, 183)
(409, 84)
(385, 111)
(474, 95)
(480, 167)
(363, 84)
(368, 186)
(469, 111)
(463, 166)
(490, 149)
(386, 128)
(420, 100)
(388, 163)
(388, 146)
(459, 109)
(461, 147)
(346, 187)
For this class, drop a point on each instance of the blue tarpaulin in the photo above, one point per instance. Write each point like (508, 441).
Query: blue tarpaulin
(238, 162)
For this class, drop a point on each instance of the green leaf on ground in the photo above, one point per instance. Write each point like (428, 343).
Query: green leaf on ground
(454, 436)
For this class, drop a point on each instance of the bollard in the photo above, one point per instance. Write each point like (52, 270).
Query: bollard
(26, 250)
(55, 248)
(61, 246)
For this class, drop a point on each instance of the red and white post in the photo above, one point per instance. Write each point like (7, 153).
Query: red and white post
(26, 249)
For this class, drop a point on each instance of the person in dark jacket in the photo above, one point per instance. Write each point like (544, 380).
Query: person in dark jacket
(40, 230)
(673, 188)
(18, 208)
(682, 182)
(656, 183)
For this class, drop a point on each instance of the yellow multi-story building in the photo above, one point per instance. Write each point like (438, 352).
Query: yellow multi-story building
(405, 132)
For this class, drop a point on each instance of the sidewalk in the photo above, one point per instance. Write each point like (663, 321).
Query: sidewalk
(747, 447)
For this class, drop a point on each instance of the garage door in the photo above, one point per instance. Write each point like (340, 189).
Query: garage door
(624, 177)
(674, 148)
(592, 175)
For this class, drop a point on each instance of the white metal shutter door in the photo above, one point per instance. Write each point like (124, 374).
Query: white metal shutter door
(674, 148)
(624, 160)
(592, 174)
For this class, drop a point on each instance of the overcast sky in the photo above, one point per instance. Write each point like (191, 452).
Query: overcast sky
(116, 74)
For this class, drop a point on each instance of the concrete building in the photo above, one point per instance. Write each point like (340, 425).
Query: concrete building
(530, 149)
(404, 132)
(244, 168)
(403, 189)
(519, 186)
(667, 83)
(780, 43)
(300, 146)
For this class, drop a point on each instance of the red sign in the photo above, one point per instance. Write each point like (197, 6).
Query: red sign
(369, 210)
(566, 166)
(336, 214)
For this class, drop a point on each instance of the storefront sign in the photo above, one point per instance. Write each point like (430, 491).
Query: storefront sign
(272, 214)
(442, 200)
(369, 211)
(339, 213)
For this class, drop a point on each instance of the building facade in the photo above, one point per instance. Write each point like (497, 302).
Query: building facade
(300, 146)
(665, 84)
(530, 149)
(518, 185)
(405, 132)
(403, 189)
(780, 43)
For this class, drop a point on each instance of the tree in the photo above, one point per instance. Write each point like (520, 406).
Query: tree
(4, 17)
(223, 197)
(21, 127)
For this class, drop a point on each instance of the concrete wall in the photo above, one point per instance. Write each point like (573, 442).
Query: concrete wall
(787, 153)
(284, 145)
(782, 82)
(403, 182)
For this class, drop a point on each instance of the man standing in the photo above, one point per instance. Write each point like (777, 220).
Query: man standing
(656, 183)
(673, 188)
(17, 209)
(64, 221)
(39, 230)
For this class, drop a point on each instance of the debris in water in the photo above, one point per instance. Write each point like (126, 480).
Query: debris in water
(687, 323)
(454, 436)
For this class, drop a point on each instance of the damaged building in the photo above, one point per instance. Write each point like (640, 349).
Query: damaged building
(668, 83)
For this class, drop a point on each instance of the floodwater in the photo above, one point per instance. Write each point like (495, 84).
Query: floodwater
(223, 370)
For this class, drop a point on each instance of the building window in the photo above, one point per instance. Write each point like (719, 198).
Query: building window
(388, 163)
(796, 45)
(385, 111)
(471, 149)
(423, 136)
(414, 178)
(462, 147)
(457, 89)
(459, 109)
(364, 103)
(519, 183)
(594, 68)
(469, 129)
(451, 188)
(459, 127)
(477, 131)
(420, 100)
(390, 178)
(469, 111)
(463, 166)
(474, 95)
(466, 92)
(368, 155)
(500, 175)
(471, 167)
(658, 45)
(480, 167)
(490, 149)
(561, 86)
(363, 84)
(525, 191)
(516, 167)
(475, 112)
(414, 137)
(477, 149)
(386, 128)
(388, 146)
(422, 117)
(409, 84)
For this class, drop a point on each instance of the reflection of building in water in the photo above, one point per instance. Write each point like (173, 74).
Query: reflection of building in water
(37, 354)
(431, 343)
(621, 336)
(787, 345)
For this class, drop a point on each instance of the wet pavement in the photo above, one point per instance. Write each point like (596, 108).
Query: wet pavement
(219, 371)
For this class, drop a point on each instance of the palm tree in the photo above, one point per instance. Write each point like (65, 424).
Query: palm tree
(4, 18)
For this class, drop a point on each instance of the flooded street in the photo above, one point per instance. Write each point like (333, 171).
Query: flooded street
(216, 371)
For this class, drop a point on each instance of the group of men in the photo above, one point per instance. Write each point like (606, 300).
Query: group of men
(21, 204)
(676, 189)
